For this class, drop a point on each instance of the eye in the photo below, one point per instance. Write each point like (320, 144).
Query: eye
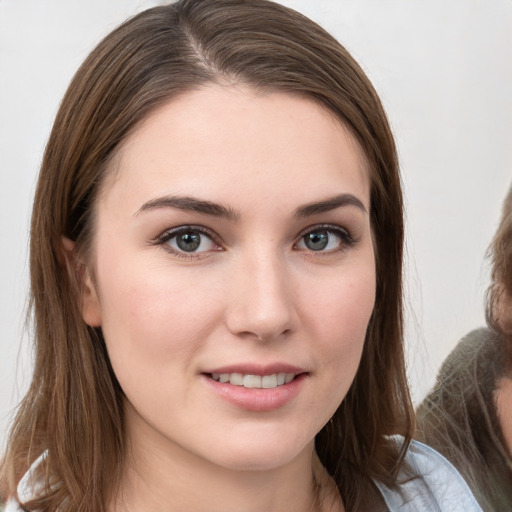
(187, 240)
(325, 239)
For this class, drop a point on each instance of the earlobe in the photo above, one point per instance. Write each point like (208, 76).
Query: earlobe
(81, 277)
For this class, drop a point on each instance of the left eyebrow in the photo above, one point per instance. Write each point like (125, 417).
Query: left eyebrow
(328, 205)
(190, 204)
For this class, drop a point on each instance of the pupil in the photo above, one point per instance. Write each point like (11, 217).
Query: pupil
(188, 242)
(317, 241)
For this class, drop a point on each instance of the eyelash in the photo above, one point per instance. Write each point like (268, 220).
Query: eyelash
(346, 240)
(166, 236)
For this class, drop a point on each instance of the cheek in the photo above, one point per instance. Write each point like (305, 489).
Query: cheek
(345, 303)
(338, 318)
(341, 318)
(152, 318)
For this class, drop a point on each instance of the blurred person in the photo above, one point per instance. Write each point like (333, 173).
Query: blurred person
(468, 414)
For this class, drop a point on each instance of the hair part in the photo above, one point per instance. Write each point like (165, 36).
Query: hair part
(74, 407)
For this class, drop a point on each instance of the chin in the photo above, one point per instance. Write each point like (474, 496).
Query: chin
(260, 453)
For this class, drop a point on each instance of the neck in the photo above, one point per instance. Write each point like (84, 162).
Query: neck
(170, 479)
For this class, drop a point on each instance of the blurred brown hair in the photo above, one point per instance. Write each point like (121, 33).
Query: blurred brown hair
(499, 295)
(74, 408)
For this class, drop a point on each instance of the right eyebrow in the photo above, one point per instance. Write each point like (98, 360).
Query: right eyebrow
(187, 203)
(329, 204)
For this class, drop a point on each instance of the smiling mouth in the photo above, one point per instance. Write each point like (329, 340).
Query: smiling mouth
(254, 381)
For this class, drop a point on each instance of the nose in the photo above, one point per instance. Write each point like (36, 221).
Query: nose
(262, 303)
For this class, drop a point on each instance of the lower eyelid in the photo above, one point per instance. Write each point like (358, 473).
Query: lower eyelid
(163, 240)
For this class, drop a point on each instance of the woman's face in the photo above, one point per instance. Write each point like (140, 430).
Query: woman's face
(234, 275)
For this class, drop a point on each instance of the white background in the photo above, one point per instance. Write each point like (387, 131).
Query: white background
(443, 69)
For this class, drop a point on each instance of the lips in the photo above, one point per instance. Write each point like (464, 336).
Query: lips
(255, 387)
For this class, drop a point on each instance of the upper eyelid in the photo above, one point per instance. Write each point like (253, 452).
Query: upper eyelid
(346, 238)
(188, 227)
(326, 227)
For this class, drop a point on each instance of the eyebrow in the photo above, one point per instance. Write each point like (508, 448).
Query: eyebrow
(328, 205)
(186, 203)
(191, 204)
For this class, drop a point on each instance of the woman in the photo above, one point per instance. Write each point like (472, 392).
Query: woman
(467, 415)
(216, 253)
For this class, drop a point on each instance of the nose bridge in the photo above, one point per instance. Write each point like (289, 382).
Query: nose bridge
(263, 303)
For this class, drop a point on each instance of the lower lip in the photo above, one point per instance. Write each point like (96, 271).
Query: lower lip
(257, 399)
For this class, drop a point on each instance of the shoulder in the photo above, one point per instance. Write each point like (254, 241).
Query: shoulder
(431, 483)
(11, 506)
(472, 367)
(470, 345)
(28, 487)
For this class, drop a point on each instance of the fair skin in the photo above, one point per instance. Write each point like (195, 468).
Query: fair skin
(503, 392)
(232, 239)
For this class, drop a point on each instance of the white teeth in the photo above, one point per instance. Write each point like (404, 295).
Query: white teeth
(269, 381)
(254, 381)
(237, 379)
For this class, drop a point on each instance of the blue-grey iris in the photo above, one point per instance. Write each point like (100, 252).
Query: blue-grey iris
(317, 240)
(188, 242)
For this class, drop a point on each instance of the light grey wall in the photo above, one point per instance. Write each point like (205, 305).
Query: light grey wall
(443, 69)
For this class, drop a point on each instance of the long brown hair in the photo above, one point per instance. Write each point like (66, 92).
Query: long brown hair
(459, 417)
(73, 410)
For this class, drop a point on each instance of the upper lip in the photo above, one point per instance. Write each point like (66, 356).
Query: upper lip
(257, 369)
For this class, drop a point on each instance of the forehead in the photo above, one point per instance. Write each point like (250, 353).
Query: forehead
(239, 137)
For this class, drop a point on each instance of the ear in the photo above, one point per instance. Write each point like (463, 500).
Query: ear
(81, 276)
